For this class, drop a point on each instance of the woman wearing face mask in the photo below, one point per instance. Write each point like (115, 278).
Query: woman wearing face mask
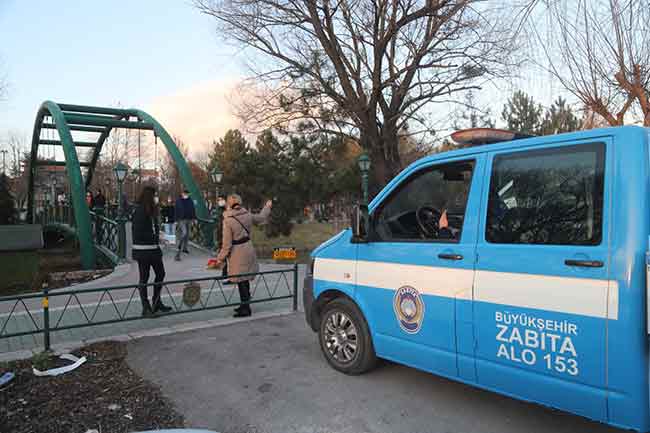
(237, 247)
(146, 250)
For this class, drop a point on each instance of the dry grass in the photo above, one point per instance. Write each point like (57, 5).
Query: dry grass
(304, 237)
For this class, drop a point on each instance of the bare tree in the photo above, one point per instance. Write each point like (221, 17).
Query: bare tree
(599, 50)
(122, 146)
(170, 178)
(17, 147)
(363, 69)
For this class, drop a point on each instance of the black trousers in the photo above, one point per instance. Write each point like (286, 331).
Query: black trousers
(244, 294)
(145, 264)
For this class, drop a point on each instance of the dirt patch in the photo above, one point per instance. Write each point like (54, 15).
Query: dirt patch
(64, 279)
(102, 394)
(59, 266)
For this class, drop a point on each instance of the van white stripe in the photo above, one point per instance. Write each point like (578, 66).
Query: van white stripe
(428, 280)
(584, 296)
(335, 270)
(571, 295)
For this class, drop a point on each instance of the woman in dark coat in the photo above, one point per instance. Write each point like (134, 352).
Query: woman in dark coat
(146, 250)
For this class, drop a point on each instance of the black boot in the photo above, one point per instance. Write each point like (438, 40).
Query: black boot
(157, 302)
(244, 309)
(146, 306)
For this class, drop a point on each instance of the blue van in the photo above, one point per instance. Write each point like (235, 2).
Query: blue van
(518, 267)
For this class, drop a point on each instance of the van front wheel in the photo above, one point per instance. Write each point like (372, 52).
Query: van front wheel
(345, 338)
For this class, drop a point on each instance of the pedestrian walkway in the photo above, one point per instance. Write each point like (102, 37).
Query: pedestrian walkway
(98, 306)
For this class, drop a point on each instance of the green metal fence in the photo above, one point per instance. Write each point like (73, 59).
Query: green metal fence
(106, 235)
(105, 227)
(105, 231)
(202, 232)
(55, 215)
(107, 305)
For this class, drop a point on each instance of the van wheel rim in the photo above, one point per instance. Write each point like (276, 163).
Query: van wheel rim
(341, 337)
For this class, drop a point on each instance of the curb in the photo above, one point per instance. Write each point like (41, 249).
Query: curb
(67, 347)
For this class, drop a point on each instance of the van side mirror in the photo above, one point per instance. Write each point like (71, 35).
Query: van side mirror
(360, 223)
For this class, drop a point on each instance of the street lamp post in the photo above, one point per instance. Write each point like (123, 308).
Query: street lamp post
(216, 176)
(53, 203)
(364, 167)
(120, 174)
(135, 176)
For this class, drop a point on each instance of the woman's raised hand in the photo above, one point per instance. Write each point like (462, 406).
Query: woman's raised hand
(269, 204)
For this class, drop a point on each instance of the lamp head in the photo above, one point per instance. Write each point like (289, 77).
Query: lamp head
(364, 163)
(120, 171)
(216, 175)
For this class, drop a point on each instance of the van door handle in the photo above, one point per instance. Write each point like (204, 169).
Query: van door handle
(584, 263)
(450, 256)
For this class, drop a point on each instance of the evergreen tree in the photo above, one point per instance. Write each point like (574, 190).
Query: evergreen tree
(522, 114)
(560, 118)
(294, 171)
(227, 153)
(8, 213)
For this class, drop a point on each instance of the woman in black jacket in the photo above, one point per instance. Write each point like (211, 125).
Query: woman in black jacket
(146, 250)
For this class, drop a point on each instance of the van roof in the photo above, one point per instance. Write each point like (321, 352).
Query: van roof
(543, 139)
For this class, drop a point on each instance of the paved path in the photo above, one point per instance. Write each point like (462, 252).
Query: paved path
(73, 310)
(269, 376)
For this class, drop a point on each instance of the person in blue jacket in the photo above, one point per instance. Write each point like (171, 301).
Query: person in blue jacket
(185, 214)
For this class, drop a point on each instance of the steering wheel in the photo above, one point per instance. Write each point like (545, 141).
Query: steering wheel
(428, 219)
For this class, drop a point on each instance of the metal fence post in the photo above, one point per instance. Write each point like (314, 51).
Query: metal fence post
(295, 287)
(46, 317)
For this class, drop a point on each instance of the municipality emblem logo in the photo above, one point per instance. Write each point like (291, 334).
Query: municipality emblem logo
(409, 309)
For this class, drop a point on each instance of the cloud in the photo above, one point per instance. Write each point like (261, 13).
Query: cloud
(198, 114)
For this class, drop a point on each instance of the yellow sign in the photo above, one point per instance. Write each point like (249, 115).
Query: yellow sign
(46, 302)
(284, 253)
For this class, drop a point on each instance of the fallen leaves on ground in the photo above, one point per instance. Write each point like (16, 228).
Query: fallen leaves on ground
(103, 394)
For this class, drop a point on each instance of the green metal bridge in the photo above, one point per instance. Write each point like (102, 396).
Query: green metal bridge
(74, 127)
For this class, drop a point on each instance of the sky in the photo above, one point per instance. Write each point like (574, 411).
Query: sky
(158, 55)
(161, 56)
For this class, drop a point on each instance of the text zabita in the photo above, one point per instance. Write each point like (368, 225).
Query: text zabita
(522, 337)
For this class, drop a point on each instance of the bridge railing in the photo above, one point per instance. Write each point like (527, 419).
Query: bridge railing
(105, 227)
(202, 232)
(55, 214)
(106, 233)
(48, 311)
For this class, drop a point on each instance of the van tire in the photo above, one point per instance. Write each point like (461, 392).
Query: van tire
(344, 310)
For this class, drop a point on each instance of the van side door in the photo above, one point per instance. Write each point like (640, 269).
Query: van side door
(542, 275)
(419, 262)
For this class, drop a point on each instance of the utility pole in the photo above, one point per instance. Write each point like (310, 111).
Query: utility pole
(139, 161)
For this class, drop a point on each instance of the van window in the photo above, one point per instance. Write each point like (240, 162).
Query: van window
(414, 210)
(550, 196)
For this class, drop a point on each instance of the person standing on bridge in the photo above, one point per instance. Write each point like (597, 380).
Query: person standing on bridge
(146, 251)
(185, 214)
(237, 247)
(90, 201)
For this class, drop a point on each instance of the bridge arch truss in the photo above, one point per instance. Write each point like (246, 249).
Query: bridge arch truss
(60, 125)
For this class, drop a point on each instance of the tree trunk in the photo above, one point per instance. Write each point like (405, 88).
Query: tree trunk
(384, 157)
